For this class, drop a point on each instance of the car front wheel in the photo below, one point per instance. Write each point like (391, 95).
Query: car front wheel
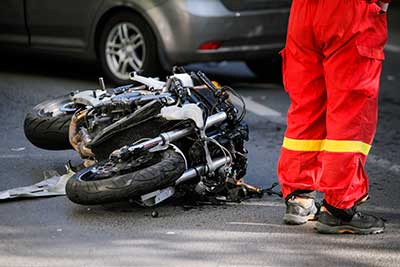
(127, 44)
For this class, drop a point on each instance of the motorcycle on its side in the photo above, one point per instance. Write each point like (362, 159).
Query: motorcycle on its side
(149, 140)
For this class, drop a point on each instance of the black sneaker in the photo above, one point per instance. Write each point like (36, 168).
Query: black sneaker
(360, 223)
(299, 212)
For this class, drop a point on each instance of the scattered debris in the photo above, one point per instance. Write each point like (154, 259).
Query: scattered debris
(17, 149)
(270, 191)
(154, 214)
(52, 185)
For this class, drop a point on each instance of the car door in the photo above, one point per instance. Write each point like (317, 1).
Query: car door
(60, 24)
(12, 23)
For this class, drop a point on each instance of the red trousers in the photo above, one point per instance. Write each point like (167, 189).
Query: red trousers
(331, 69)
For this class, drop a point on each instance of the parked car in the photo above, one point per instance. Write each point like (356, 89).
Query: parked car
(147, 35)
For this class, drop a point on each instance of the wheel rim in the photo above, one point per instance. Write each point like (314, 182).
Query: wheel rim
(56, 107)
(109, 168)
(103, 170)
(125, 50)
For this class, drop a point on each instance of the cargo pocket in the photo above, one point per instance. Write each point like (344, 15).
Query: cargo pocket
(371, 52)
(364, 75)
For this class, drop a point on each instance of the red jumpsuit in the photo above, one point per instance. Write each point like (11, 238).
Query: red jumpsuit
(331, 67)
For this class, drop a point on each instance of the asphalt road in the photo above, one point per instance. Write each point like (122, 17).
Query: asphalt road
(55, 232)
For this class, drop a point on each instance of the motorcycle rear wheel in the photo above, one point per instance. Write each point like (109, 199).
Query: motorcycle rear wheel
(47, 124)
(85, 189)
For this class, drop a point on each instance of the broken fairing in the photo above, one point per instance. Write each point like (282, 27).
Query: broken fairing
(52, 185)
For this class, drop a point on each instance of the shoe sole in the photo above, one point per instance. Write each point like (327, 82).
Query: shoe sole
(346, 229)
(292, 219)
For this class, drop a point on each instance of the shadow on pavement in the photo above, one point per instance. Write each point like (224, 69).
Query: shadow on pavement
(72, 68)
(179, 238)
(47, 65)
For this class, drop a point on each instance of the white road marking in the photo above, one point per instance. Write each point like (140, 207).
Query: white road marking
(170, 233)
(392, 48)
(20, 155)
(390, 77)
(258, 203)
(10, 156)
(259, 109)
(251, 223)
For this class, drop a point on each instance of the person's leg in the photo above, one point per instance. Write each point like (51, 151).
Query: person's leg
(352, 64)
(298, 166)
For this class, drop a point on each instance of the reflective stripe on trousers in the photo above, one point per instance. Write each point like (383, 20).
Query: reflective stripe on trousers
(327, 145)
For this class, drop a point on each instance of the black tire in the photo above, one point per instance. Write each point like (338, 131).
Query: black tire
(48, 130)
(151, 63)
(127, 186)
(268, 69)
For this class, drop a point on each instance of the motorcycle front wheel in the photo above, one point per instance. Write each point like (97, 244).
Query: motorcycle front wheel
(92, 185)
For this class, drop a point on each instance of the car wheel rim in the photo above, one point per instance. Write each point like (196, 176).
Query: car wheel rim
(125, 50)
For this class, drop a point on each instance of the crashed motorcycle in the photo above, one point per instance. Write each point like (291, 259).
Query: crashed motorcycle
(149, 140)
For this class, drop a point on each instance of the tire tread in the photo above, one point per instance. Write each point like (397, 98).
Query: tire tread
(47, 132)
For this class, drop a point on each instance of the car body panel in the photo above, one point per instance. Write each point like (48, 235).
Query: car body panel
(180, 26)
(12, 23)
(60, 24)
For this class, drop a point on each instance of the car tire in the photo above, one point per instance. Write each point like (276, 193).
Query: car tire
(115, 43)
(268, 69)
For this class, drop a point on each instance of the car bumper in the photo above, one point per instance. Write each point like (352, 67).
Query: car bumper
(183, 26)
